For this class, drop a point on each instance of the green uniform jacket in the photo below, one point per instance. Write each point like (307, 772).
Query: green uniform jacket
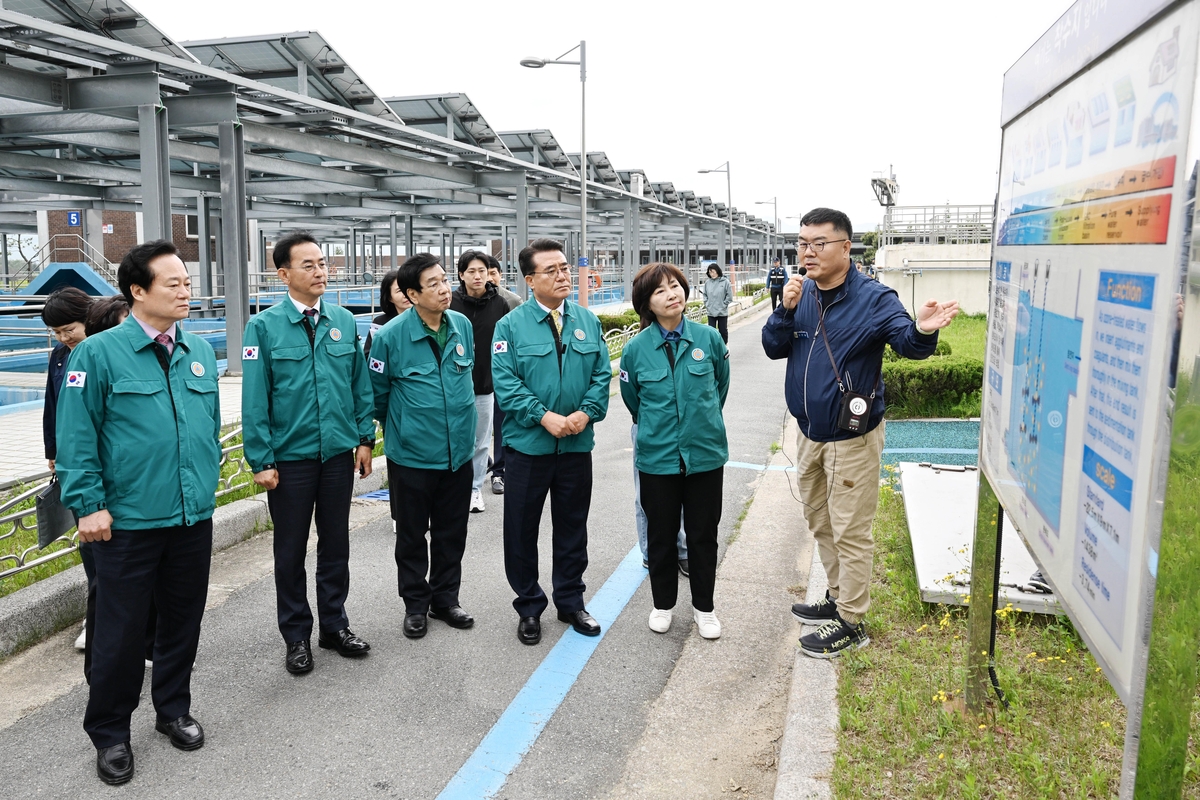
(677, 410)
(530, 379)
(427, 406)
(303, 400)
(135, 441)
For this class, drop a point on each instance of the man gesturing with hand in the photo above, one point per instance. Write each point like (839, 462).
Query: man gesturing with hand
(832, 327)
(551, 374)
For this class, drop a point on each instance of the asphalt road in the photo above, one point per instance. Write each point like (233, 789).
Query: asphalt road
(402, 721)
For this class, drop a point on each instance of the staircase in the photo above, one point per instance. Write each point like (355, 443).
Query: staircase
(65, 248)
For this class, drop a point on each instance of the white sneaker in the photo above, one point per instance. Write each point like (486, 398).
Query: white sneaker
(81, 642)
(660, 621)
(707, 623)
(476, 501)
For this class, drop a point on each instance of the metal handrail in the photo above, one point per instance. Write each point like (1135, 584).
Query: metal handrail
(14, 519)
(68, 242)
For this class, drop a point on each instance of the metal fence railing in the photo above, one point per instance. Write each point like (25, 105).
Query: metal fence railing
(18, 516)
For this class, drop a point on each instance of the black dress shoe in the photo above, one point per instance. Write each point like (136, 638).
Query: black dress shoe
(415, 625)
(529, 630)
(454, 616)
(114, 764)
(345, 642)
(299, 657)
(581, 621)
(185, 732)
(683, 568)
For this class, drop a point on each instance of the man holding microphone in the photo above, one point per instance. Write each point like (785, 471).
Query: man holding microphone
(832, 329)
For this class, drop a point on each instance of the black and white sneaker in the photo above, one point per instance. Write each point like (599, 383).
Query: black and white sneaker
(1038, 583)
(817, 613)
(834, 638)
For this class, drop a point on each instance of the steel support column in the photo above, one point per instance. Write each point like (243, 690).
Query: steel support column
(156, 172)
(204, 242)
(409, 244)
(232, 152)
(522, 196)
(394, 260)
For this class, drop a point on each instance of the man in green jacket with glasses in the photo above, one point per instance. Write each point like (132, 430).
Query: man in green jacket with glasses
(139, 421)
(421, 366)
(307, 426)
(551, 374)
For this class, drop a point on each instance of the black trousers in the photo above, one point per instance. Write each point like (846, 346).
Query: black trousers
(90, 627)
(722, 326)
(497, 448)
(776, 297)
(305, 486)
(567, 478)
(437, 501)
(699, 495)
(169, 565)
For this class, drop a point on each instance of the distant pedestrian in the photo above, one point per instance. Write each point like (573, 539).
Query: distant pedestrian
(552, 377)
(65, 313)
(718, 295)
(674, 379)
(832, 328)
(139, 458)
(496, 276)
(776, 278)
(307, 420)
(392, 303)
(421, 370)
(479, 301)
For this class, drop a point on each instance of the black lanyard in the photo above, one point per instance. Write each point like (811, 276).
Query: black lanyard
(837, 375)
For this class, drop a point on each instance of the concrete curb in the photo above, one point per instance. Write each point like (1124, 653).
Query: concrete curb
(810, 733)
(29, 615)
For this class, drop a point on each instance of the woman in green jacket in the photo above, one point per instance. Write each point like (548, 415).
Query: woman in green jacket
(674, 379)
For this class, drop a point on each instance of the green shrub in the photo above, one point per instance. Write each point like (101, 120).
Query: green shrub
(747, 289)
(939, 386)
(610, 321)
(943, 349)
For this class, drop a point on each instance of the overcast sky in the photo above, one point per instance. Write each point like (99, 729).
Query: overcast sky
(807, 100)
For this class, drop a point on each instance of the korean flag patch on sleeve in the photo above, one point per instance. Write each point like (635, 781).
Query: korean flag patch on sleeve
(76, 379)
(624, 376)
(499, 347)
(377, 365)
(249, 354)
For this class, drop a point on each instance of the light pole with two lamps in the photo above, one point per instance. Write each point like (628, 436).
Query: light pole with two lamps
(538, 63)
(729, 196)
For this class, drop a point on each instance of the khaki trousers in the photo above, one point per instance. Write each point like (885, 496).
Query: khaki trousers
(839, 485)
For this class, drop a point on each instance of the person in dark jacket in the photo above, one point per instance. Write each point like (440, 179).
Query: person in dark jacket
(392, 303)
(776, 278)
(832, 329)
(479, 301)
(65, 313)
(496, 467)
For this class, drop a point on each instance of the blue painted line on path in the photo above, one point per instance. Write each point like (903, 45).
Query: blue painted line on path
(961, 451)
(501, 751)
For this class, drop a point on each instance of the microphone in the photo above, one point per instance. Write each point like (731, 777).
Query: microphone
(802, 271)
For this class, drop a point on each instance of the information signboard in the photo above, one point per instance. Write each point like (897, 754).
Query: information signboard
(1095, 188)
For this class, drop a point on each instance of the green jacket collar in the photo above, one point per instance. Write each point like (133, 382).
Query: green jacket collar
(687, 335)
(139, 341)
(543, 315)
(417, 331)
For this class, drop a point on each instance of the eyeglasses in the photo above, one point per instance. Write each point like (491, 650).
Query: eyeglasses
(817, 246)
(309, 268)
(565, 269)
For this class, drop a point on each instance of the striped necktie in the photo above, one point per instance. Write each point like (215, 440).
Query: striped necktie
(166, 342)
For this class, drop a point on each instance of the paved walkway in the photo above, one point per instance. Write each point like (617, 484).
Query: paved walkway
(408, 721)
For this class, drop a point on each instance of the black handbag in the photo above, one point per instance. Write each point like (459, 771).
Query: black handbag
(53, 518)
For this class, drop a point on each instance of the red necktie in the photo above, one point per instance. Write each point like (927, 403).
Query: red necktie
(166, 342)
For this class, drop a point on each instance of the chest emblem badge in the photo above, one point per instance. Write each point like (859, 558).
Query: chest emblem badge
(580, 335)
(197, 369)
(698, 354)
(459, 349)
(335, 334)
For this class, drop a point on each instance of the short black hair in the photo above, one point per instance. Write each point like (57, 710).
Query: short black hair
(525, 259)
(839, 220)
(282, 254)
(494, 263)
(66, 305)
(717, 267)
(467, 257)
(385, 293)
(409, 274)
(135, 266)
(105, 313)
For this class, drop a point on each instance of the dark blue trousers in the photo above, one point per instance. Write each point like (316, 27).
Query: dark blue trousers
(497, 467)
(305, 486)
(567, 478)
(437, 502)
(170, 566)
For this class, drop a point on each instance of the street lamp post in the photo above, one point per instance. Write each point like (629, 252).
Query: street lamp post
(538, 63)
(774, 202)
(729, 197)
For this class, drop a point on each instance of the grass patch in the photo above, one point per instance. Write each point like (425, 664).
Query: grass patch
(900, 735)
(947, 384)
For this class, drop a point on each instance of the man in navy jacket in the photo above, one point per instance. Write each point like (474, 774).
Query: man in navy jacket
(832, 329)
